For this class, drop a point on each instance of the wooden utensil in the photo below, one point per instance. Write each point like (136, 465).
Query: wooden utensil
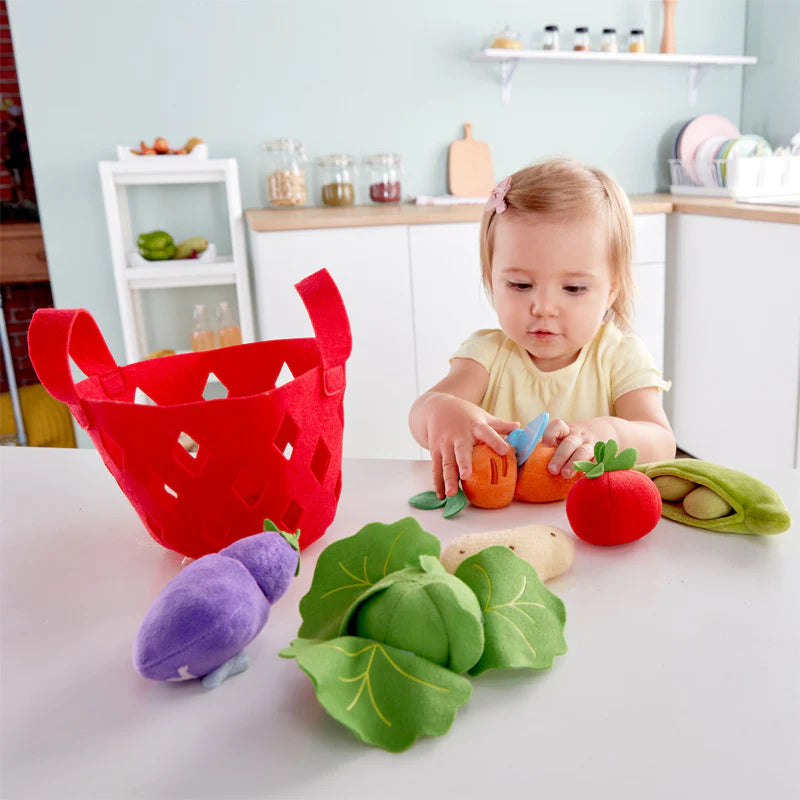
(469, 167)
(668, 37)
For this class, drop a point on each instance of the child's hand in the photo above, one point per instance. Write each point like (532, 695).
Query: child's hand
(572, 442)
(454, 427)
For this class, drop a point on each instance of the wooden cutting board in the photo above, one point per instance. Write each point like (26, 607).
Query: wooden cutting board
(469, 167)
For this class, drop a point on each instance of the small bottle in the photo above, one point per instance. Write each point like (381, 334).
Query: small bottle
(608, 42)
(228, 328)
(550, 41)
(580, 40)
(202, 335)
(636, 43)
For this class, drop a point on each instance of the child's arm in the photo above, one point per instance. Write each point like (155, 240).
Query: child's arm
(640, 423)
(448, 421)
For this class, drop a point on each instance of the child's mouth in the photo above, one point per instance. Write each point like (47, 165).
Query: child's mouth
(543, 335)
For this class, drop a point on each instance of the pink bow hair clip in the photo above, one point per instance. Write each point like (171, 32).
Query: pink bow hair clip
(497, 199)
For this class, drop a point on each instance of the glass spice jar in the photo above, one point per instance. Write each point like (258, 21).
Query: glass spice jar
(580, 40)
(285, 168)
(507, 39)
(202, 334)
(550, 41)
(228, 329)
(337, 174)
(636, 43)
(383, 177)
(608, 41)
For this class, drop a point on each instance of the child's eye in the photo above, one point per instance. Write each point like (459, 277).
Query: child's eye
(574, 289)
(519, 287)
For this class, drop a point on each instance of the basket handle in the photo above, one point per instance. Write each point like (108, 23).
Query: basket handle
(55, 335)
(328, 315)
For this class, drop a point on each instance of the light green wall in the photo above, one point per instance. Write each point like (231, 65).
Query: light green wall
(356, 75)
(771, 94)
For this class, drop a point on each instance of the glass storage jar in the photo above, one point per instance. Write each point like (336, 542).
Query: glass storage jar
(608, 42)
(636, 43)
(580, 40)
(285, 170)
(550, 41)
(383, 177)
(337, 179)
(507, 39)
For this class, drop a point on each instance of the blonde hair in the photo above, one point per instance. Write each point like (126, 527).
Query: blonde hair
(563, 186)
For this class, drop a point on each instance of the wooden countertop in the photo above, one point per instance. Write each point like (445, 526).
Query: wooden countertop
(267, 219)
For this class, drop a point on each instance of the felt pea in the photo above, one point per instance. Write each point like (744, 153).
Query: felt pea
(702, 503)
(204, 617)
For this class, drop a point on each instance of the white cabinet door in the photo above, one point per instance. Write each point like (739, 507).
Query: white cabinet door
(649, 273)
(449, 301)
(733, 346)
(370, 267)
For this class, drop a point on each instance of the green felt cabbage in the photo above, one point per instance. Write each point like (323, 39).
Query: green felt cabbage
(523, 620)
(348, 568)
(386, 696)
(423, 609)
(757, 508)
(386, 630)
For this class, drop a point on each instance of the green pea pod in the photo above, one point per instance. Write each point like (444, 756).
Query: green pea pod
(757, 508)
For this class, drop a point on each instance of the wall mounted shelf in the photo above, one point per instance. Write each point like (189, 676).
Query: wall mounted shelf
(698, 64)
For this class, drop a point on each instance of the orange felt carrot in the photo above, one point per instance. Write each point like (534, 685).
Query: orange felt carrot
(493, 478)
(535, 484)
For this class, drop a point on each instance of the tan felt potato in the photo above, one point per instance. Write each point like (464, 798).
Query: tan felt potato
(672, 488)
(547, 548)
(702, 503)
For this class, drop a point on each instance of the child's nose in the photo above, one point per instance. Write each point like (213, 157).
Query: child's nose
(544, 304)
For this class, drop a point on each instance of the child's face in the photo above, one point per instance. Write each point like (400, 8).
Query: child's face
(551, 283)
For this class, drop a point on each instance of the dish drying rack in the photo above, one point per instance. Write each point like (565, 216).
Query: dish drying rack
(756, 176)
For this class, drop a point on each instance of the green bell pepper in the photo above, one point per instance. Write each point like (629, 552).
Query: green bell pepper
(156, 246)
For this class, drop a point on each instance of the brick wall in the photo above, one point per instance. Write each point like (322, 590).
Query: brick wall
(20, 300)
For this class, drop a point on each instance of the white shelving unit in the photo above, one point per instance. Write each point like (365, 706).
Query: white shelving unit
(698, 65)
(225, 270)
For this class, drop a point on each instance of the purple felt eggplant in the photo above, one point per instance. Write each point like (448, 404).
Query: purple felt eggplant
(204, 617)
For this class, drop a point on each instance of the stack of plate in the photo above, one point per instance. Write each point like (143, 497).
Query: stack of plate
(710, 152)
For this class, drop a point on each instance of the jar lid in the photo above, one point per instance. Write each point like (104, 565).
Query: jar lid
(383, 159)
(551, 27)
(581, 30)
(336, 160)
(635, 31)
(287, 145)
(609, 30)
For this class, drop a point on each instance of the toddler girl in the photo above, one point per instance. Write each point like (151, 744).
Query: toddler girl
(556, 244)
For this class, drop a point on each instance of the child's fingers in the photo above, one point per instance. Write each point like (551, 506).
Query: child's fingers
(555, 431)
(436, 468)
(501, 425)
(463, 455)
(450, 472)
(488, 435)
(562, 456)
(584, 453)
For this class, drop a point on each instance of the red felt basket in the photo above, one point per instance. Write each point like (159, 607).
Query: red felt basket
(264, 451)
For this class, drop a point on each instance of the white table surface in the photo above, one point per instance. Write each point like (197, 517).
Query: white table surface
(682, 678)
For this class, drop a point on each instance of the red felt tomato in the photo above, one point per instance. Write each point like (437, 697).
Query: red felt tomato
(612, 504)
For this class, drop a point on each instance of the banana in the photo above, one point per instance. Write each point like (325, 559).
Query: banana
(189, 146)
(191, 247)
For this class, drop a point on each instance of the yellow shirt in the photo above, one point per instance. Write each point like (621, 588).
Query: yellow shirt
(612, 364)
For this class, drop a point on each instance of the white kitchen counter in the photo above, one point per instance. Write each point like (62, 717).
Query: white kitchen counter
(681, 679)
